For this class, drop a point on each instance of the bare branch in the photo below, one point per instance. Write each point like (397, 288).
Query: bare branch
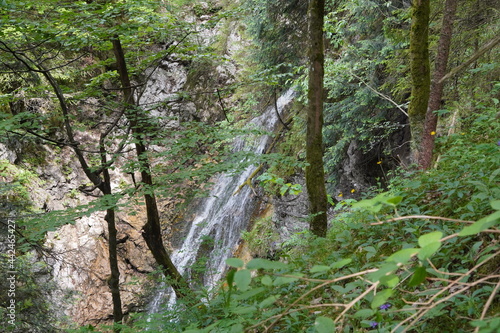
(488, 304)
(488, 46)
(381, 95)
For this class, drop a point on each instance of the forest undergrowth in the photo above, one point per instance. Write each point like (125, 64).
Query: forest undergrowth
(419, 256)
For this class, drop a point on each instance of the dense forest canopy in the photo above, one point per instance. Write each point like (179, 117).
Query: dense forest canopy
(125, 111)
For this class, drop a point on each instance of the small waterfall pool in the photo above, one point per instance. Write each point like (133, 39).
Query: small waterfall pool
(224, 214)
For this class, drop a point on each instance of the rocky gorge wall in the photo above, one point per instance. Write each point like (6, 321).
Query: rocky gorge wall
(76, 254)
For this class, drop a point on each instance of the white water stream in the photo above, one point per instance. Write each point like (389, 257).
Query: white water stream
(223, 215)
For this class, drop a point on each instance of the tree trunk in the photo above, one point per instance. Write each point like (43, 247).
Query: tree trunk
(151, 231)
(436, 92)
(104, 186)
(420, 72)
(114, 278)
(315, 174)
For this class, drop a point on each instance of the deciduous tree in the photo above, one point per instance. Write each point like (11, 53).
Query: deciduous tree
(151, 231)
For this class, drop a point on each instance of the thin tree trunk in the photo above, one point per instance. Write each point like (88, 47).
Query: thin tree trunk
(420, 72)
(151, 231)
(114, 279)
(105, 188)
(315, 174)
(436, 92)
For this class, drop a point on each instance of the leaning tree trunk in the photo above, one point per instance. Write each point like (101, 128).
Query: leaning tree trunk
(104, 186)
(151, 231)
(420, 72)
(436, 93)
(315, 174)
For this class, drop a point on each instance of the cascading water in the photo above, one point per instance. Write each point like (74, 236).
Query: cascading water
(224, 214)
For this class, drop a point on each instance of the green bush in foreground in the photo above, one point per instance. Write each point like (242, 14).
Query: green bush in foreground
(421, 257)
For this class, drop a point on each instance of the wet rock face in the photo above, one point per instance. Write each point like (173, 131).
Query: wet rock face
(78, 259)
(7, 154)
(80, 267)
(274, 223)
(291, 211)
(77, 254)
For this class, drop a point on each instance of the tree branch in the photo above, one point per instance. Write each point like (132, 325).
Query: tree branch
(488, 46)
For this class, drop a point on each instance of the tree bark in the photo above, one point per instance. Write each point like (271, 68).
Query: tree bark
(436, 91)
(420, 72)
(104, 186)
(114, 278)
(315, 174)
(151, 231)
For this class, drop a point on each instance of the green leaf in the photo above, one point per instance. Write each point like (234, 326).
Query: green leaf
(381, 298)
(374, 205)
(267, 280)
(249, 294)
(269, 301)
(385, 269)
(237, 328)
(364, 203)
(495, 204)
(284, 188)
(242, 279)
(368, 204)
(324, 325)
(389, 280)
(364, 313)
(259, 263)
(284, 280)
(341, 263)
(394, 200)
(230, 278)
(319, 268)
(428, 250)
(492, 177)
(235, 262)
(482, 224)
(402, 256)
(296, 189)
(244, 310)
(418, 277)
(430, 238)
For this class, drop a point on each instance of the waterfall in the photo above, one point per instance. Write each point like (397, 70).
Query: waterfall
(224, 214)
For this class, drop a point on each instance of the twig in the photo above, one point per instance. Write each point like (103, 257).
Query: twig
(419, 314)
(222, 105)
(488, 303)
(441, 272)
(421, 217)
(354, 301)
(277, 110)
(381, 95)
(399, 218)
(469, 284)
(306, 307)
(430, 305)
(281, 315)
